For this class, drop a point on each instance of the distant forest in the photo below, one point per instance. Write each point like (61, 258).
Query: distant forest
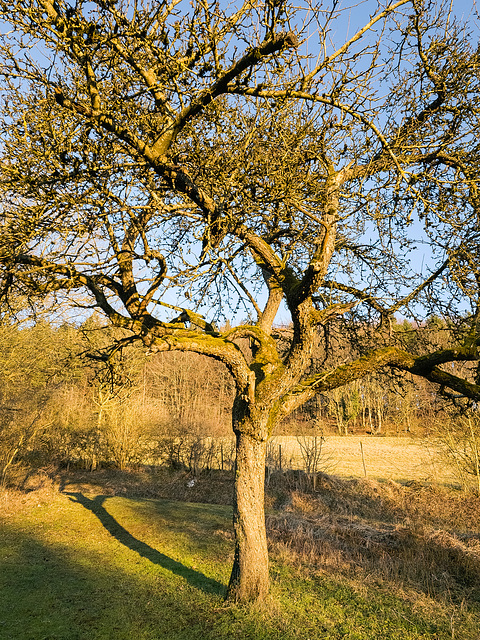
(62, 405)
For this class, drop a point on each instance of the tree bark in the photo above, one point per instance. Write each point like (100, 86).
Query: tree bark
(250, 578)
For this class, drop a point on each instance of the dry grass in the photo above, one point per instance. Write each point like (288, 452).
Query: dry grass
(213, 487)
(388, 458)
(418, 543)
(39, 488)
(414, 538)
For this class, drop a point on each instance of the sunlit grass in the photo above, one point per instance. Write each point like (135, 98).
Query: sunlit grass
(394, 458)
(82, 565)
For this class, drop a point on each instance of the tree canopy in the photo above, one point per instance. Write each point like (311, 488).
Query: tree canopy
(170, 164)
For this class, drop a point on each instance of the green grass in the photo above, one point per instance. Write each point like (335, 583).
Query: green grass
(80, 566)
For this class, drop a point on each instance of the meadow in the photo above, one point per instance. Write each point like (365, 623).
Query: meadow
(388, 458)
(145, 555)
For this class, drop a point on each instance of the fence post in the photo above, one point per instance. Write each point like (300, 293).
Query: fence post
(363, 460)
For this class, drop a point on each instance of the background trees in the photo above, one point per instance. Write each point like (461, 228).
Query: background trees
(200, 158)
(30, 364)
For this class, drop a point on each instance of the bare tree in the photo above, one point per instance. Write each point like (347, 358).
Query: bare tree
(159, 155)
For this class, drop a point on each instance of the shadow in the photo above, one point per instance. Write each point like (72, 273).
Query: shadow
(195, 578)
(41, 593)
(62, 590)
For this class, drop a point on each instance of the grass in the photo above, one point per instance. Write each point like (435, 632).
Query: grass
(356, 559)
(390, 458)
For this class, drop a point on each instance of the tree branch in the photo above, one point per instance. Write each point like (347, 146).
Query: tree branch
(425, 366)
(250, 59)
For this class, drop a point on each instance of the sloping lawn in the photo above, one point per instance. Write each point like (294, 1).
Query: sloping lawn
(77, 566)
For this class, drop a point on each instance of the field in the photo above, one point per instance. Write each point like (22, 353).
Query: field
(110, 555)
(389, 458)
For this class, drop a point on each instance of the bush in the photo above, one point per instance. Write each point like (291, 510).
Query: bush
(459, 442)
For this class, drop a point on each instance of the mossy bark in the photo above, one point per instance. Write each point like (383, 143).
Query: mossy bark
(250, 576)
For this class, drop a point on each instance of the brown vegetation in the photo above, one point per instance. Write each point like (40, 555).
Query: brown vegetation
(174, 409)
(413, 537)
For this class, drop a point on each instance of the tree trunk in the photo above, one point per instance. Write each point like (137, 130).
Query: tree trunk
(249, 579)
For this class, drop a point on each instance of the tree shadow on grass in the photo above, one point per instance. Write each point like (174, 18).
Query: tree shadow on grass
(195, 578)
